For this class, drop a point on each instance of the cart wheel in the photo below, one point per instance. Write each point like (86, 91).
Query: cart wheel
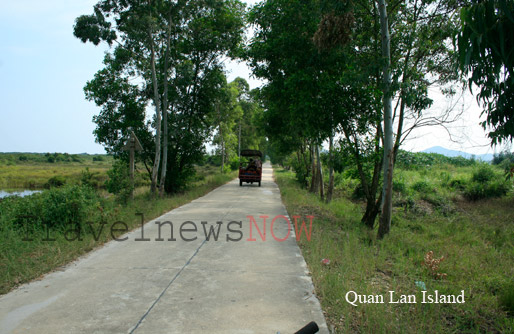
(240, 183)
(259, 183)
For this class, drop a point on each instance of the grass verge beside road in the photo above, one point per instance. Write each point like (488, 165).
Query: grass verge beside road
(22, 261)
(475, 238)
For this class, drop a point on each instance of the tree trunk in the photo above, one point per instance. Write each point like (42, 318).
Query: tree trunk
(385, 217)
(155, 169)
(320, 175)
(372, 210)
(222, 150)
(165, 107)
(314, 180)
(330, 190)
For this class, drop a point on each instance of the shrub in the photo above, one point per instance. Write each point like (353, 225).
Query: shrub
(503, 156)
(477, 190)
(422, 187)
(445, 178)
(358, 192)
(54, 208)
(55, 182)
(483, 174)
(86, 178)
(70, 204)
(98, 158)
(118, 182)
(234, 163)
(76, 158)
(399, 186)
(506, 298)
(459, 184)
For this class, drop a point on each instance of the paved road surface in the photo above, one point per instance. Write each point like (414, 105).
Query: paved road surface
(180, 286)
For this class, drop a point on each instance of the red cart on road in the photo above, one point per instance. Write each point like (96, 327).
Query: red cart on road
(250, 167)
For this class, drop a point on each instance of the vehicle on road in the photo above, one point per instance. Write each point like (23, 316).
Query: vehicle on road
(250, 167)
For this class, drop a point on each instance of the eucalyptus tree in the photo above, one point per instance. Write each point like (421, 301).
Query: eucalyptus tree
(336, 85)
(228, 113)
(486, 44)
(172, 50)
(282, 53)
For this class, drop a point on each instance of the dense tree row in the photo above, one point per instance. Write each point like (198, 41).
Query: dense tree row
(355, 75)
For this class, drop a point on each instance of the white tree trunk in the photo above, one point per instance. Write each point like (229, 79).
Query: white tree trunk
(164, 165)
(157, 103)
(385, 217)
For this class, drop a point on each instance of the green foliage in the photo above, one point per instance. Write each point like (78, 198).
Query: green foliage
(503, 156)
(483, 174)
(119, 182)
(200, 33)
(55, 182)
(399, 186)
(302, 171)
(23, 261)
(87, 178)
(54, 208)
(422, 186)
(479, 190)
(421, 160)
(485, 46)
(459, 184)
(475, 239)
(506, 298)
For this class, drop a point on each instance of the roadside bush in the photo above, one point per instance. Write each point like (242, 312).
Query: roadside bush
(234, 163)
(118, 182)
(70, 204)
(54, 208)
(300, 170)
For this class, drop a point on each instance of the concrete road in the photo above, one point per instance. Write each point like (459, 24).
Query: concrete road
(185, 285)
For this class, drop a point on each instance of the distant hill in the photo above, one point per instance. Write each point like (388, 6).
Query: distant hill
(452, 153)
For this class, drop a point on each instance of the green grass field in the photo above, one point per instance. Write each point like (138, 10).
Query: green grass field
(476, 239)
(33, 170)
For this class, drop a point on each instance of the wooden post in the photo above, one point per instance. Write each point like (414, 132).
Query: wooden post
(132, 146)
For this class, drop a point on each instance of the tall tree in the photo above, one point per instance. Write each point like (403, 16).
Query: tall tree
(387, 191)
(173, 50)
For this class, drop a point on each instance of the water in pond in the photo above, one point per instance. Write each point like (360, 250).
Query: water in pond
(21, 193)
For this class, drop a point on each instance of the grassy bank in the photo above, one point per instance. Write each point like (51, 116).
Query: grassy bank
(34, 170)
(475, 238)
(22, 261)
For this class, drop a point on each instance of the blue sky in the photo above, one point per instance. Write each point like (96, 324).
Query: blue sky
(43, 69)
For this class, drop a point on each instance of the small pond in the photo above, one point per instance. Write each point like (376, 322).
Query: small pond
(21, 193)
